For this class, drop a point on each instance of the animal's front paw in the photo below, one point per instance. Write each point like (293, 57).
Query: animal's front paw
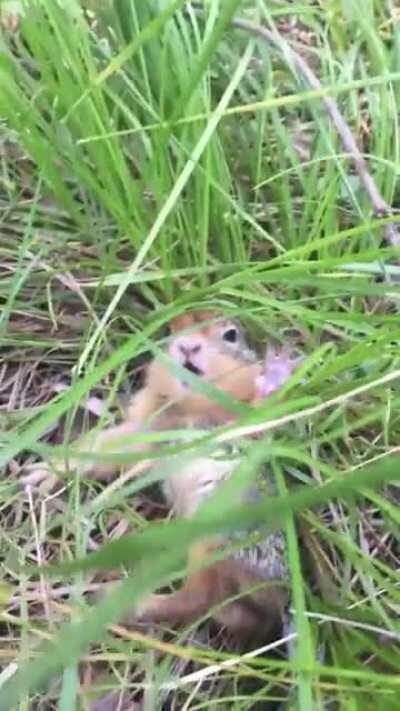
(143, 611)
(140, 618)
(278, 367)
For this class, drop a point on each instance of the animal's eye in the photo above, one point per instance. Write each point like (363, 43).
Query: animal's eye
(231, 335)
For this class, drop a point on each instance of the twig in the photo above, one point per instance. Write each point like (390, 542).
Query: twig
(355, 624)
(40, 559)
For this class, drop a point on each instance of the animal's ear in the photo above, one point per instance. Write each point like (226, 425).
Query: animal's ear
(203, 316)
(179, 323)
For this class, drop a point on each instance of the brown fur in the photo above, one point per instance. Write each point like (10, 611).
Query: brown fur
(253, 617)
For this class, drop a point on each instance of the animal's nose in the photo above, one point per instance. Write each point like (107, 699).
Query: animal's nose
(189, 348)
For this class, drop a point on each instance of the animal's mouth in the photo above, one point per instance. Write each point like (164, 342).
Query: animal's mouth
(192, 368)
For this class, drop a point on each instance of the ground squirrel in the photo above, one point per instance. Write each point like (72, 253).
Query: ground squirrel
(214, 349)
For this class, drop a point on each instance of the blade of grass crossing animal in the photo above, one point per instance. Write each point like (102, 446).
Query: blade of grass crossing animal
(304, 642)
(69, 689)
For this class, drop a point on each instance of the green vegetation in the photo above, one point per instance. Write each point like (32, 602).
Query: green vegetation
(153, 158)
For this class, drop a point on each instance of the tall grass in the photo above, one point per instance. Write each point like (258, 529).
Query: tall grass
(155, 159)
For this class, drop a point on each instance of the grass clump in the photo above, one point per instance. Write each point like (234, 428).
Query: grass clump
(154, 158)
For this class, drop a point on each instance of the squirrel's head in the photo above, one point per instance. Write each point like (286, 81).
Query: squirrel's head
(209, 347)
(199, 338)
